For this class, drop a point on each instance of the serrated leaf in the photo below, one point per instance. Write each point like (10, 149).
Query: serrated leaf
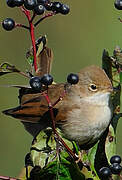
(43, 150)
(55, 166)
(61, 169)
(7, 68)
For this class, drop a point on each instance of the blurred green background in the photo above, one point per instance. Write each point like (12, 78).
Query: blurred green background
(77, 40)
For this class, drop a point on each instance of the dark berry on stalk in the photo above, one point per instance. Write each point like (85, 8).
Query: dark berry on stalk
(28, 161)
(19, 2)
(47, 79)
(118, 4)
(48, 6)
(30, 4)
(10, 3)
(8, 24)
(105, 172)
(115, 159)
(35, 83)
(42, 1)
(116, 168)
(39, 9)
(72, 78)
(56, 7)
(64, 9)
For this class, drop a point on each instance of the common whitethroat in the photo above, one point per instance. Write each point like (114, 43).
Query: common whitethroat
(82, 115)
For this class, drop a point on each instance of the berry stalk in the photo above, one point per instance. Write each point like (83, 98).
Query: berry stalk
(70, 152)
(27, 13)
(21, 25)
(33, 44)
(44, 17)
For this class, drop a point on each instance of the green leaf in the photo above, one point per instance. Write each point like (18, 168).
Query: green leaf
(43, 149)
(7, 68)
(110, 147)
(30, 60)
(61, 169)
(55, 165)
(91, 157)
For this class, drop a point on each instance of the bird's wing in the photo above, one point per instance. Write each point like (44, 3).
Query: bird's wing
(34, 106)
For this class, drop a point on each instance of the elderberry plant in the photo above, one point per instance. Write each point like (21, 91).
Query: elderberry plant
(51, 156)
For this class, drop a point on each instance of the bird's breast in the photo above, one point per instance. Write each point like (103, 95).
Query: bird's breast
(86, 121)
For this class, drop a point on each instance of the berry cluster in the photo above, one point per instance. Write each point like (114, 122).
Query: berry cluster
(37, 7)
(118, 4)
(37, 82)
(115, 168)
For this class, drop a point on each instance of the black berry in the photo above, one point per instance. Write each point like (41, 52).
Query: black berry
(19, 2)
(10, 3)
(64, 9)
(72, 78)
(115, 159)
(8, 24)
(118, 4)
(30, 4)
(116, 168)
(43, 2)
(47, 79)
(39, 9)
(105, 172)
(35, 83)
(28, 161)
(48, 6)
(56, 7)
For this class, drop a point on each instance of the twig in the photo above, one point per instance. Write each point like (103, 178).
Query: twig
(27, 13)
(71, 153)
(23, 74)
(44, 17)
(22, 25)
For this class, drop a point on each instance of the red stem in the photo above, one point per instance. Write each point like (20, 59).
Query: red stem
(33, 44)
(59, 99)
(44, 17)
(27, 13)
(53, 125)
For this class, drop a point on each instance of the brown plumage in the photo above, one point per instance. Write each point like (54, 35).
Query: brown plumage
(83, 114)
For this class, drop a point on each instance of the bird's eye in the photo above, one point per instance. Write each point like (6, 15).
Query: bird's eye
(92, 87)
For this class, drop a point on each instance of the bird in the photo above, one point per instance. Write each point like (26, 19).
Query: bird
(82, 114)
